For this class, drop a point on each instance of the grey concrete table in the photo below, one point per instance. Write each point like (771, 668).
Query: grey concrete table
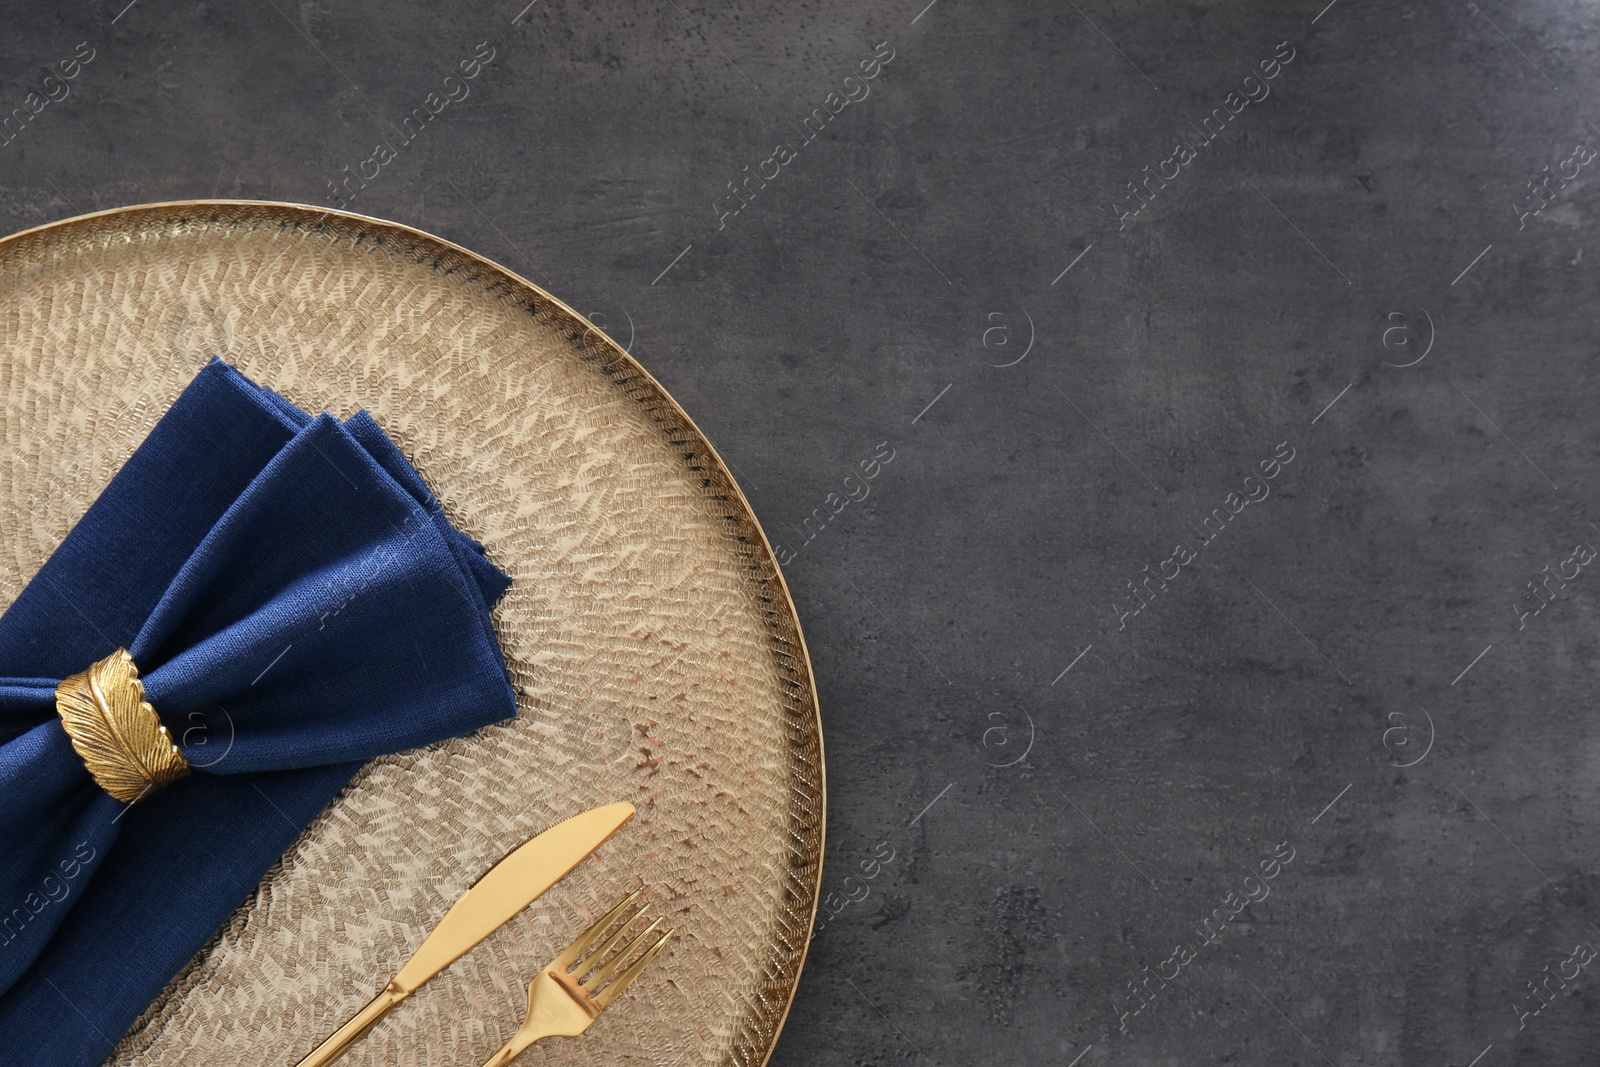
(1176, 420)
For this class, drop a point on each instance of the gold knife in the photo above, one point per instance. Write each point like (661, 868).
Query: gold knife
(507, 888)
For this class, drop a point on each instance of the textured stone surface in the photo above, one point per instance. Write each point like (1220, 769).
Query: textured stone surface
(864, 282)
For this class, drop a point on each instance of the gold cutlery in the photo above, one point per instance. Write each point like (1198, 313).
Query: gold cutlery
(568, 995)
(507, 888)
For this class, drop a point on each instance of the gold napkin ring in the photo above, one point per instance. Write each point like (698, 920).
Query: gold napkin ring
(116, 732)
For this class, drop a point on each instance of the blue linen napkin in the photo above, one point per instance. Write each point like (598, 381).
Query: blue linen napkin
(297, 603)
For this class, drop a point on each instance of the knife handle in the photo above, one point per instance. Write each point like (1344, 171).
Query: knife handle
(352, 1031)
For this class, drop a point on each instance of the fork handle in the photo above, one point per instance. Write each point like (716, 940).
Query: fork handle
(508, 1051)
(352, 1031)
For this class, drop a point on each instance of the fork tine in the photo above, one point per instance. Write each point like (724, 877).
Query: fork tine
(587, 938)
(598, 978)
(604, 998)
(598, 956)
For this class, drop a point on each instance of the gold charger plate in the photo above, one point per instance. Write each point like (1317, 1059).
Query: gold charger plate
(655, 649)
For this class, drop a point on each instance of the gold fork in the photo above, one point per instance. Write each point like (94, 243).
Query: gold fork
(565, 997)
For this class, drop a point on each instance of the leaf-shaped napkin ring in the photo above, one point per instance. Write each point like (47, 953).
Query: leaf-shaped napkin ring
(116, 732)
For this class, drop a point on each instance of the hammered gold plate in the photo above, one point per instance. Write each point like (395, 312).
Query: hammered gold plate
(655, 649)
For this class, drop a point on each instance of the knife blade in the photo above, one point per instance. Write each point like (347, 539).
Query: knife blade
(505, 889)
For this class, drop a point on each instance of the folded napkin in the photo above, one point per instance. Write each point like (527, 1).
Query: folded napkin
(296, 603)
